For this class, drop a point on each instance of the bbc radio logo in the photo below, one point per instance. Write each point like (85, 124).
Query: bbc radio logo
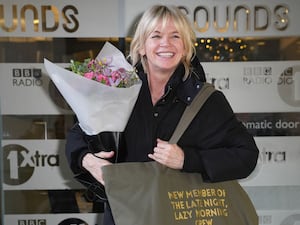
(257, 75)
(287, 77)
(32, 222)
(289, 85)
(69, 221)
(27, 77)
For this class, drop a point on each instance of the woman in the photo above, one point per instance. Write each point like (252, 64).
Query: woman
(216, 144)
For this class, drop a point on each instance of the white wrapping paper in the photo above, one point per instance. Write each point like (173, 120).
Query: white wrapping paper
(98, 107)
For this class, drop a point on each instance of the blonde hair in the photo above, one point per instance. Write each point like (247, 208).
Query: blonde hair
(149, 21)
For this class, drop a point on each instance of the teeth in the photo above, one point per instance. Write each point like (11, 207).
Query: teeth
(166, 54)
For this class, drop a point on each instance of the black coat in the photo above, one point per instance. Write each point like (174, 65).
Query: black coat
(215, 144)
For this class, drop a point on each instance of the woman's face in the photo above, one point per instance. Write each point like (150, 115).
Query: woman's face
(163, 48)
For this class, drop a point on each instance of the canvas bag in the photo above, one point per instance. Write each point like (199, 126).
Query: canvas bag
(148, 193)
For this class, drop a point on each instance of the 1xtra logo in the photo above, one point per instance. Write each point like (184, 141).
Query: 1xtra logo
(26, 77)
(293, 219)
(73, 221)
(268, 156)
(19, 163)
(221, 83)
(289, 85)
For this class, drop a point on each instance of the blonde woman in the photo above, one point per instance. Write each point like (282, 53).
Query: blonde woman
(216, 144)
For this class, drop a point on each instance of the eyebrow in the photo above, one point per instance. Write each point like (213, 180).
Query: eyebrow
(173, 32)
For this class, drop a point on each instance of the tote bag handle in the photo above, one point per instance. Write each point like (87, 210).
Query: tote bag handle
(191, 111)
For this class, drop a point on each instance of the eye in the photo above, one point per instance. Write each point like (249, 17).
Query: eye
(176, 36)
(155, 36)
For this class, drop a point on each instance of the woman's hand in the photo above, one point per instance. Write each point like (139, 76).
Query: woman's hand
(94, 162)
(170, 155)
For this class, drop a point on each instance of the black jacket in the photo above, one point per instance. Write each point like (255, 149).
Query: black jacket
(216, 144)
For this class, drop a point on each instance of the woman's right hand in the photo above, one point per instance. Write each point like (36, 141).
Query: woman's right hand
(94, 162)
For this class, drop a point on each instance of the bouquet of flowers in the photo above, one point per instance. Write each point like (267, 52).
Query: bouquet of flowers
(101, 91)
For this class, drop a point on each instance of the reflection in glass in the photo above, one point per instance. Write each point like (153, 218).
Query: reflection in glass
(61, 50)
(36, 126)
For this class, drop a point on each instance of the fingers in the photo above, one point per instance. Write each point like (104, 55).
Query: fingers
(104, 155)
(167, 154)
(161, 143)
(94, 162)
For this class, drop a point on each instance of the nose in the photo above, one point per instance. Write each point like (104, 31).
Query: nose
(165, 41)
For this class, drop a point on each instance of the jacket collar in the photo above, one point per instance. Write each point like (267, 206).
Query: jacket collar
(189, 88)
(185, 90)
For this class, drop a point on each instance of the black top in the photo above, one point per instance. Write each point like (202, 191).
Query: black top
(216, 144)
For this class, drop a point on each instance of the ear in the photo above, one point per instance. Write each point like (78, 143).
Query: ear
(142, 52)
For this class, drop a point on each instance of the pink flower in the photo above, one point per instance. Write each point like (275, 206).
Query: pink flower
(115, 75)
(102, 71)
(102, 79)
(89, 75)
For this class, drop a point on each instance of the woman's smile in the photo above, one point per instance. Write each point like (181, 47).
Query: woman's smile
(165, 54)
(164, 48)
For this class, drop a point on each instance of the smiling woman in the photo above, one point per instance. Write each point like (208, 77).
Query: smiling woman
(215, 145)
(162, 43)
(255, 64)
(166, 27)
(163, 51)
